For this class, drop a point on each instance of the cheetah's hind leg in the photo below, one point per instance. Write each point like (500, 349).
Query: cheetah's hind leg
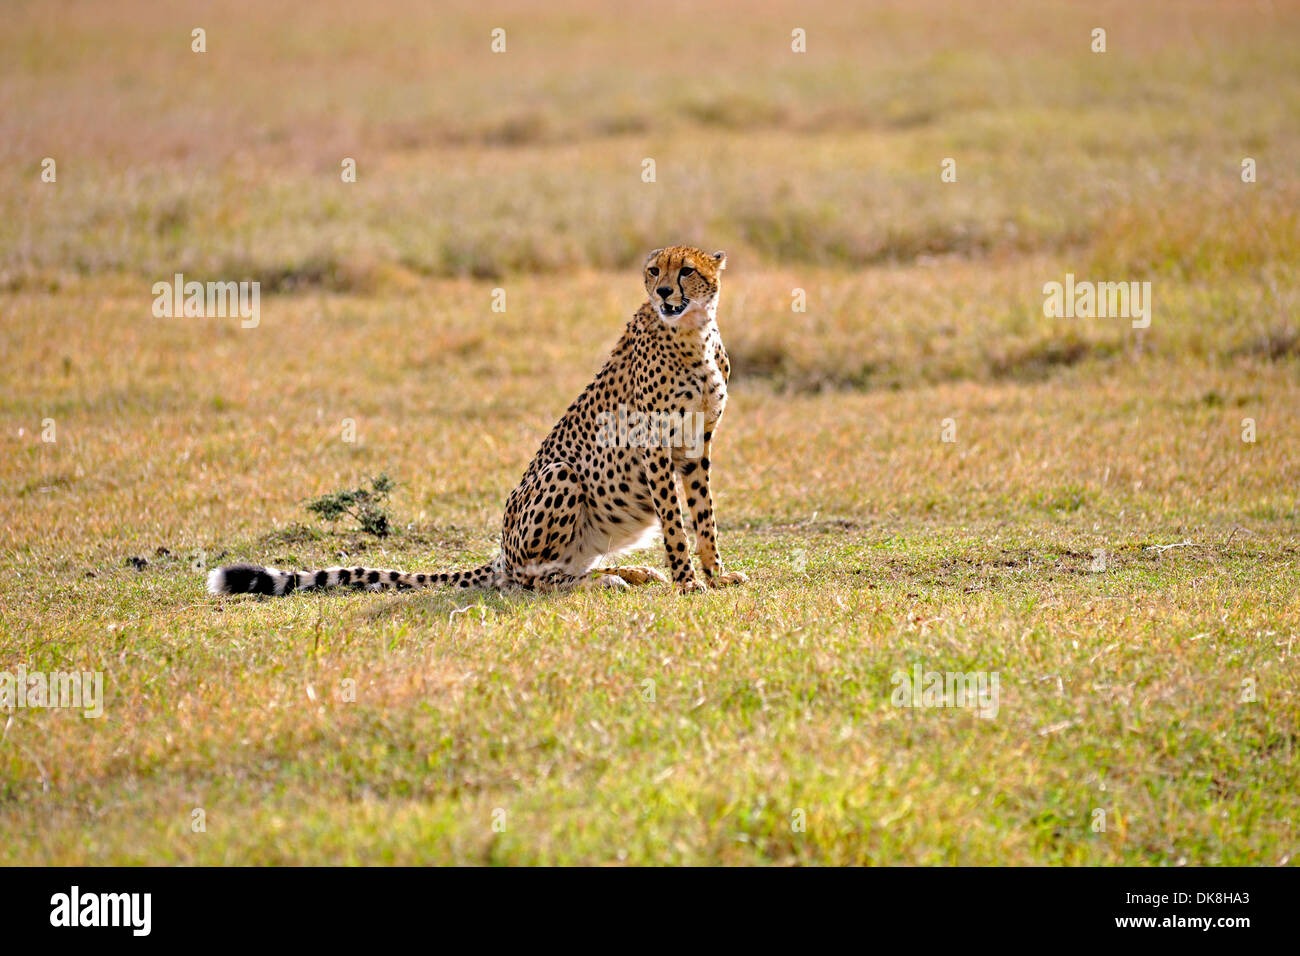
(633, 575)
(597, 579)
(727, 579)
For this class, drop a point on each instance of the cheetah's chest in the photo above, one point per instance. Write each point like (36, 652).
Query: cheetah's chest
(697, 389)
(710, 393)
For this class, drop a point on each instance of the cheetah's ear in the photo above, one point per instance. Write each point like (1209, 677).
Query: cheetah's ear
(651, 258)
(720, 258)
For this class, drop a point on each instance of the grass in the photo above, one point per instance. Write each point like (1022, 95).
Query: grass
(643, 727)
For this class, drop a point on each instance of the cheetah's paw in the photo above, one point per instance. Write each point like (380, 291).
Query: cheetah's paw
(636, 575)
(728, 579)
(609, 582)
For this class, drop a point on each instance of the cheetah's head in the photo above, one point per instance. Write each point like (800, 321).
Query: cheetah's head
(681, 279)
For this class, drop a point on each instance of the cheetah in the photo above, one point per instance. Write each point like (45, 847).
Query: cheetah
(606, 479)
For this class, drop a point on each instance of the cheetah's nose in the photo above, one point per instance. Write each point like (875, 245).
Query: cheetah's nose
(664, 291)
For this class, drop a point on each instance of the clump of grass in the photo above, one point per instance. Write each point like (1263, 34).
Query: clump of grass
(1040, 358)
(363, 505)
(1275, 343)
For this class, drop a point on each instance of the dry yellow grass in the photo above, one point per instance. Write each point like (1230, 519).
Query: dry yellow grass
(872, 544)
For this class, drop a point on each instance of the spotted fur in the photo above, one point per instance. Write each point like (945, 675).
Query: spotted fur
(583, 498)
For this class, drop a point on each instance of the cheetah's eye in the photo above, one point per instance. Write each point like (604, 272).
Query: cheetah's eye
(686, 270)
(654, 270)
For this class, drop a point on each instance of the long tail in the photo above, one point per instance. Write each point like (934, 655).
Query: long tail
(255, 579)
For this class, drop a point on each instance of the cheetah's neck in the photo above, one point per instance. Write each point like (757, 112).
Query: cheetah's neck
(695, 331)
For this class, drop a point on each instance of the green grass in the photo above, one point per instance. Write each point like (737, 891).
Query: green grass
(643, 727)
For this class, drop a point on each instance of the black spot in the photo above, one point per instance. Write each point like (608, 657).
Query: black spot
(322, 578)
(373, 577)
(392, 576)
(345, 576)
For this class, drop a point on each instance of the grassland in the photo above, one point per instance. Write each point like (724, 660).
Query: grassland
(871, 544)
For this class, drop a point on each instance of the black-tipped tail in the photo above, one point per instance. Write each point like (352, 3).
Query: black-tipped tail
(255, 579)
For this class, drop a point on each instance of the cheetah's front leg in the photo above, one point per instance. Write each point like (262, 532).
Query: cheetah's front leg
(699, 502)
(663, 491)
